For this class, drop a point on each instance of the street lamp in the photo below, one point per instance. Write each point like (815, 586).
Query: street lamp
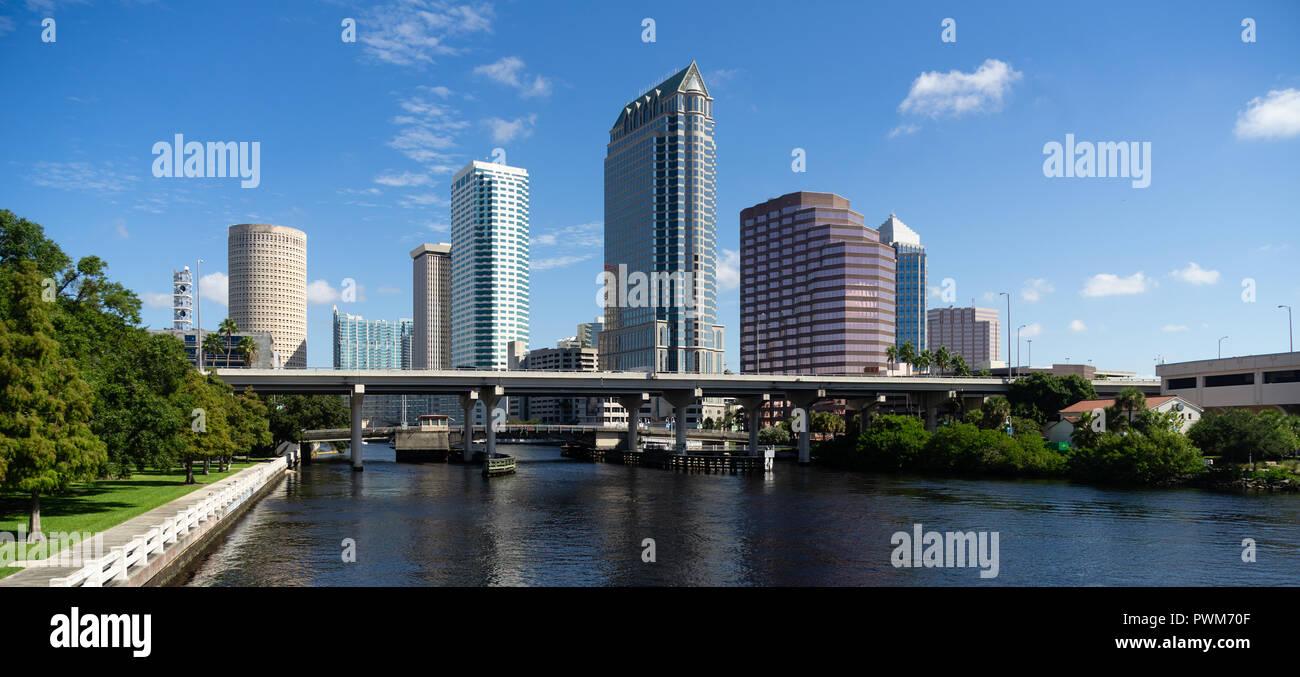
(1008, 295)
(1018, 345)
(1221, 346)
(1030, 356)
(1289, 331)
(198, 311)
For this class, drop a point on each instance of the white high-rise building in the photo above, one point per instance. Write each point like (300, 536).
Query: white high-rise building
(268, 287)
(489, 264)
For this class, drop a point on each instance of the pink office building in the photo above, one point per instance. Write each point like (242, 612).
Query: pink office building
(816, 288)
(969, 332)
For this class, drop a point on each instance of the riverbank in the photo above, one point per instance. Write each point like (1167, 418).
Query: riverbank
(149, 548)
(92, 507)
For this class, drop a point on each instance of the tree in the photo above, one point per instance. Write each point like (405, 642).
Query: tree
(942, 358)
(827, 422)
(1240, 435)
(891, 355)
(891, 443)
(214, 344)
(228, 328)
(1136, 459)
(996, 411)
(137, 414)
(291, 414)
(959, 366)
(248, 348)
(907, 353)
(776, 434)
(1130, 400)
(1042, 396)
(45, 407)
(252, 429)
(924, 360)
(207, 433)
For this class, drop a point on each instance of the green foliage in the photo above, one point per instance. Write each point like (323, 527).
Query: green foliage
(774, 435)
(827, 422)
(1041, 396)
(1239, 435)
(1136, 458)
(959, 366)
(292, 414)
(137, 414)
(45, 406)
(1026, 426)
(891, 443)
(994, 413)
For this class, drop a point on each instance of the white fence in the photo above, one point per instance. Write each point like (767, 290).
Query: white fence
(213, 508)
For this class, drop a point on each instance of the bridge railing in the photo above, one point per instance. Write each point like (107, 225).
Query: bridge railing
(215, 506)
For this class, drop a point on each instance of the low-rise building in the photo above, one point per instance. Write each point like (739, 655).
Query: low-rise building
(1062, 430)
(1256, 382)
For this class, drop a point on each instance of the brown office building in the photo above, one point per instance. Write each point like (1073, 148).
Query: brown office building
(816, 288)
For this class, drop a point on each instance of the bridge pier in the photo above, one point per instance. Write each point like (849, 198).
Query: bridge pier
(681, 400)
(863, 406)
(931, 401)
(753, 417)
(632, 403)
(467, 402)
(489, 422)
(354, 402)
(804, 399)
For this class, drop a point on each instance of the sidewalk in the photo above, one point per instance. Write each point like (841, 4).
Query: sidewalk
(38, 573)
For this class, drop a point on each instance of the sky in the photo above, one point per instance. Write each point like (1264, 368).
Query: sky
(359, 140)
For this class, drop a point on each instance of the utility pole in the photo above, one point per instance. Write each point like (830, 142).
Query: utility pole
(1290, 332)
(1221, 346)
(1008, 295)
(1018, 345)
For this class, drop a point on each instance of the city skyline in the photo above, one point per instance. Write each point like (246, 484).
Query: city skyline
(1146, 269)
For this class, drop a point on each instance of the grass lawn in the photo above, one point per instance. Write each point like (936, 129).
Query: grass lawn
(95, 506)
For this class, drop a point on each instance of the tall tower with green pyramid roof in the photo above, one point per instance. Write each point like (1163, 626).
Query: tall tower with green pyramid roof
(661, 223)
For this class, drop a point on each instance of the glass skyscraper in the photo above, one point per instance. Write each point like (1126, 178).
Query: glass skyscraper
(489, 264)
(370, 344)
(660, 232)
(909, 283)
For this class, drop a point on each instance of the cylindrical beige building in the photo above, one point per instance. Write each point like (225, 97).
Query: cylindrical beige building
(268, 286)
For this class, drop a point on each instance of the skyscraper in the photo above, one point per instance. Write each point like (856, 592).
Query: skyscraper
(431, 292)
(816, 288)
(660, 224)
(268, 286)
(909, 282)
(489, 264)
(969, 332)
(369, 344)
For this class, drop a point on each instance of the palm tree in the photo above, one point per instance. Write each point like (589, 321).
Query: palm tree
(924, 360)
(891, 354)
(248, 347)
(959, 366)
(907, 354)
(996, 410)
(213, 344)
(1130, 400)
(228, 328)
(942, 358)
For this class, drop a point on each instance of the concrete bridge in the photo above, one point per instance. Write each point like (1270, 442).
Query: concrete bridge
(631, 389)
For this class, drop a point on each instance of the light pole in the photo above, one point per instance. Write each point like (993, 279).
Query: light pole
(1030, 356)
(1008, 295)
(198, 312)
(1221, 346)
(1018, 345)
(1290, 335)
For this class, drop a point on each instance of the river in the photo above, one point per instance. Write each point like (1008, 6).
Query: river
(559, 521)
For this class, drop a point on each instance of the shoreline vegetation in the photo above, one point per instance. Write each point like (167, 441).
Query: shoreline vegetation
(90, 398)
(1249, 452)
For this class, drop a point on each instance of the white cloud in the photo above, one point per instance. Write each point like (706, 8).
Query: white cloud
(1031, 331)
(6, 24)
(505, 131)
(1194, 274)
(1033, 290)
(583, 235)
(319, 292)
(404, 179)
(729, 270)
(412, 32)
(215, 287)
(1275, 116)
(557, 261)
(119, 227)
(1174, 327)
(904, 130)
(1077, 326)
(422, 200)
(509, 71)
(81, 176)
(1106, 284)
(156, 300)
(955, 93)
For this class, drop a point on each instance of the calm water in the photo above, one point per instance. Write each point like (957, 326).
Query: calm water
(565, 522)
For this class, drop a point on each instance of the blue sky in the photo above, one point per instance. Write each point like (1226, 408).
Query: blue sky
(358, 141)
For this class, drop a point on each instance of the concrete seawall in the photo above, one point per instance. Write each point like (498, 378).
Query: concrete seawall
(164, 566)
